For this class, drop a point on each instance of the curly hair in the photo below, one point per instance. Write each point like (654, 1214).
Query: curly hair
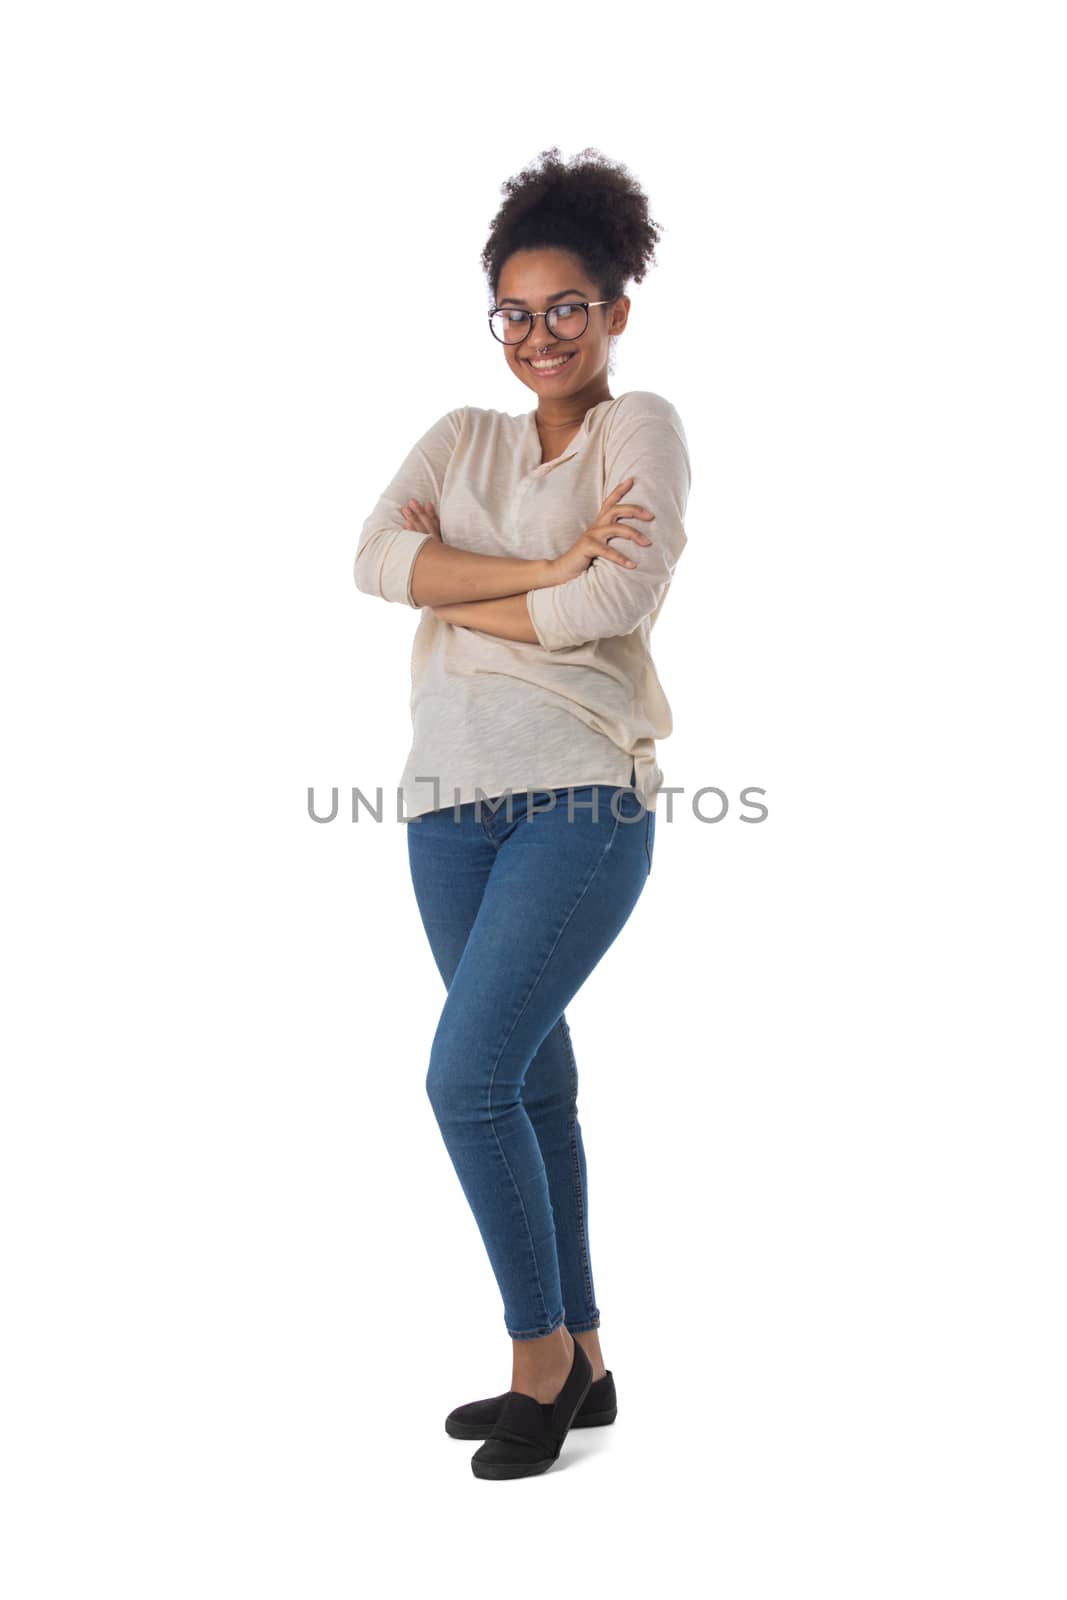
(592, 207)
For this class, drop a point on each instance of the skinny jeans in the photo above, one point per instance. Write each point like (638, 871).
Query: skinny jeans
(520, 897)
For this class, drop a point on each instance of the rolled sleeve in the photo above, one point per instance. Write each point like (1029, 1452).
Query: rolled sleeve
(647, 443)
(387, 550)
(386, 561)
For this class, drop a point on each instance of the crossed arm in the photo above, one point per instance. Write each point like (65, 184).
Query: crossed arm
(508, 617)
(505, 615)
(402, 557)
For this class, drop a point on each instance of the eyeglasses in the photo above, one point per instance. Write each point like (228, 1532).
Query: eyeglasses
(511, 325)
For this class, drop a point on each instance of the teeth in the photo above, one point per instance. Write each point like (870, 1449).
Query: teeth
(546, 366)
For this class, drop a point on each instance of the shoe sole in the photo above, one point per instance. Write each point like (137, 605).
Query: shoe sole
(512, 1469)
(480, 1430)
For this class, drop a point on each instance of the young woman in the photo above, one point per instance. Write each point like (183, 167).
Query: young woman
(539, 549)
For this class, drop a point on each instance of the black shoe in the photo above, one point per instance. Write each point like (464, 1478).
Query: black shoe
(528, 1436)
(476, 1418)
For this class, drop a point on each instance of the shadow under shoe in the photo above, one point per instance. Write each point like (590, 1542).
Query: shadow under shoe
(475, 1419)
(528, 1436)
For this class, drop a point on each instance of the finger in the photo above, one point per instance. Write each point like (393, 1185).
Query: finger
(619, 489)
(632, 509)
(619, 556)
(623, 529)
(626, 508)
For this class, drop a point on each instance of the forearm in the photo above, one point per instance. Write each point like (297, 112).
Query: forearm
(443, 575)
(507, 618)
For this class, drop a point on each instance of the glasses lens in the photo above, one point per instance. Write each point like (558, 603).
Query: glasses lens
(510, 326)
(567, 321)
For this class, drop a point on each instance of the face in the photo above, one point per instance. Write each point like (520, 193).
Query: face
(535, 280)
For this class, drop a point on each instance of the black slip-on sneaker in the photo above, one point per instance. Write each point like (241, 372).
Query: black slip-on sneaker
(475, 1419)
(528, 1436)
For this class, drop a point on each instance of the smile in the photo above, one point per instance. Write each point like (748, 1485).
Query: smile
(556, 364)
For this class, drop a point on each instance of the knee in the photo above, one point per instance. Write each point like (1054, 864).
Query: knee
(465, 1080)
(449, 1081)
(436, 1082)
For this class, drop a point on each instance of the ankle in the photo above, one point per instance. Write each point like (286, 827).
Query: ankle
(590, 1343)
(540, 1366)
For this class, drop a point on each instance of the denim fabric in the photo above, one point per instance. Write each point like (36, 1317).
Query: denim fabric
(518, 911)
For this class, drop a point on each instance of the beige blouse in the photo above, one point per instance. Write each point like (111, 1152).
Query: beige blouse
(584, 705)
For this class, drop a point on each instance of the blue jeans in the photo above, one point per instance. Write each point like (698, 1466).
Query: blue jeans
(518, 911)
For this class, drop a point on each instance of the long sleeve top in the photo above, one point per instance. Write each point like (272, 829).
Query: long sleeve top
(584, 704)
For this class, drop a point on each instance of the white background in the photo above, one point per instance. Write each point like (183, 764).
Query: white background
(820, 1069)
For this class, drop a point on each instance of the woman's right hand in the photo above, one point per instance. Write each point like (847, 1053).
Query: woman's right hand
(420, 517)
(594, 541)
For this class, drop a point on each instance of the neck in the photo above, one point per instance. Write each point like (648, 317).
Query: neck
(569, 410)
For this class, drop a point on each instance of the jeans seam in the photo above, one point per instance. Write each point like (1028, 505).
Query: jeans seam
(572, 1124)
(522, 1203)
(504, 1045)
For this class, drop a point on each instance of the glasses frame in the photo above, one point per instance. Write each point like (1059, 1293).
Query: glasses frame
(569, 338)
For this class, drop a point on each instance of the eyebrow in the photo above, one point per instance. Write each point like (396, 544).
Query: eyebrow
(511, 301)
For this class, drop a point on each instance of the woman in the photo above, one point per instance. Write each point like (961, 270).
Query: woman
(532, 778)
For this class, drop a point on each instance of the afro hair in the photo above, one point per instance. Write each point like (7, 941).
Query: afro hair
(592, 207)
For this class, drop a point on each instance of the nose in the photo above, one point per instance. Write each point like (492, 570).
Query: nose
(539, 335)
